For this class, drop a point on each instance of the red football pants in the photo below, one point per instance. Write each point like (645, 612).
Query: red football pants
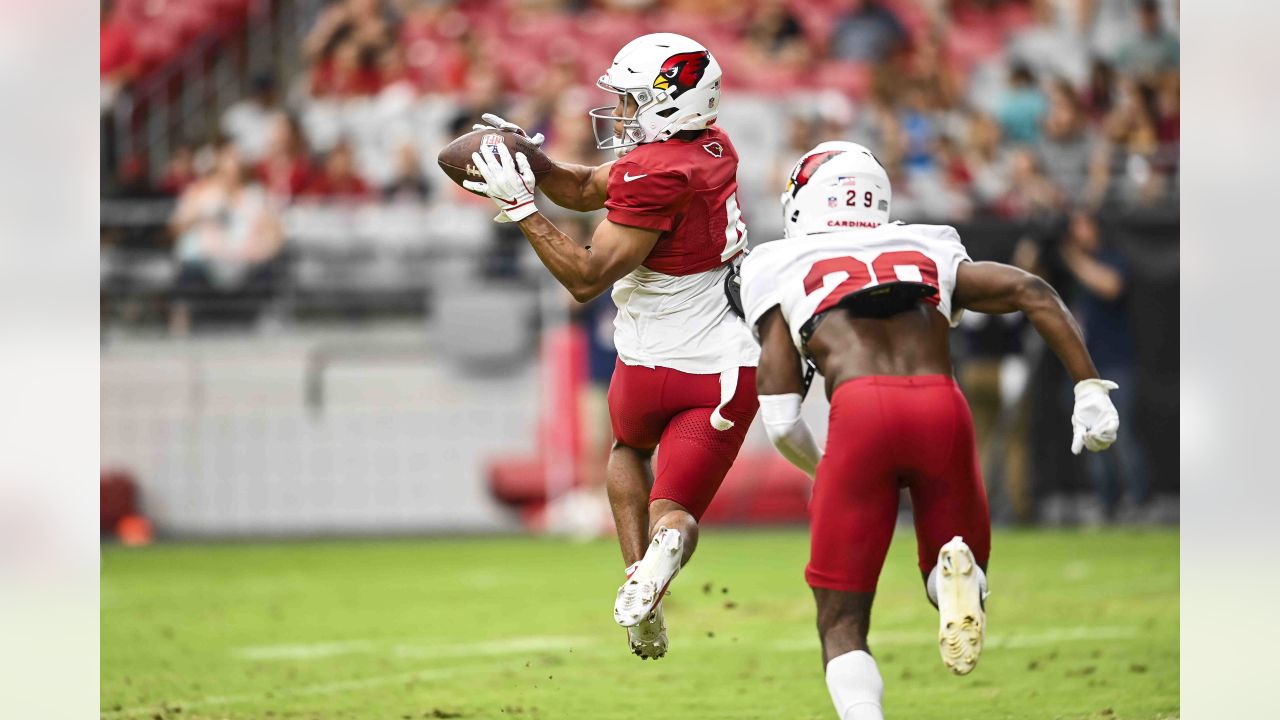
(671, 410)
(886, 433)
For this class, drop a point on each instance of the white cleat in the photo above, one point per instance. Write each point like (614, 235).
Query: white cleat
(648, 640)
(961, 619)
(648, 582)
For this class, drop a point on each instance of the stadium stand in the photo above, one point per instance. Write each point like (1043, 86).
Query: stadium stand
(1005, 117)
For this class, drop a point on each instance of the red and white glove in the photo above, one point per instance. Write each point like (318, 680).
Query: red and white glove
(497, 123)
(509, 183)
(1094, 421)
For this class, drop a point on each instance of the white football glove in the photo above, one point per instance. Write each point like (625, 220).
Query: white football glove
(493, 121)
(508, 182)
(1094, 421)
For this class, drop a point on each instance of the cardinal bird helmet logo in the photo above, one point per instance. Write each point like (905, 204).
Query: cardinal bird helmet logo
(806, 168)
(682, 72)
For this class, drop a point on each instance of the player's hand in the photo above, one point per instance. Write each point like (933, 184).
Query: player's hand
(508, 182)
(1095, 421)
(493, 121)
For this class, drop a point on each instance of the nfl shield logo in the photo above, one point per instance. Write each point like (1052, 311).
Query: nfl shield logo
(831, 201)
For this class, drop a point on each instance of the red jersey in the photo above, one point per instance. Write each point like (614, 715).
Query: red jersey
(687, 189)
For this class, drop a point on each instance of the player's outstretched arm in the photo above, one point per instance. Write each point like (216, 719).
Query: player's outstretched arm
(576, 187)
(585, 271)
(780, 385)
(996, 288)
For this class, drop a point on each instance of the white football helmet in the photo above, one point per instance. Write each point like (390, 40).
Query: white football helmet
(836, 186)
(671, 82)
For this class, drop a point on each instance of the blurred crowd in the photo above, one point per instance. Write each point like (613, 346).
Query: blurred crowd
(1042, 113)
(1010, 108)
(1014, 109)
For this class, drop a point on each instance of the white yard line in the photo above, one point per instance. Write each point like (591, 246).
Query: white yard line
(315, 651)
(492, 647)
(1049, 636)
(303, 651)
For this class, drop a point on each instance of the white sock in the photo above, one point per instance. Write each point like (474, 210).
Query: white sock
(855, 686)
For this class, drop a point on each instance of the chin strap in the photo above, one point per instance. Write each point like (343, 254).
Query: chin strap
(810, 370)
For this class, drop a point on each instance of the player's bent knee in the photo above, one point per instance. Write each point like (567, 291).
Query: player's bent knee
(668, 513)
(665, 506)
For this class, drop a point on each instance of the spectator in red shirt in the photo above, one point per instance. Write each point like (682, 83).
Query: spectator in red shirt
(348, 73)
(1168, 94)
(286, 169)
(952, 163)
(339, 180)
(180, 172)
(358, 21)
(393, 72)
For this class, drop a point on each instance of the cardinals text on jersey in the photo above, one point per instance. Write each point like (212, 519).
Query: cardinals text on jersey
(810, 274)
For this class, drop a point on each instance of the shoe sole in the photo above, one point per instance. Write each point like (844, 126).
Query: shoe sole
(961, 619)
(672, 550)
(653, 650)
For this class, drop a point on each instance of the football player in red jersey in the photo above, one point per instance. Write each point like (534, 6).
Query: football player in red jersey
(869, 303)
(668, 247)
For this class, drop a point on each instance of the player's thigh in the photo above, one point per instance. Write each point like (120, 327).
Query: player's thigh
(694, 458)
(855, 497)
(635, 411)
(947, 494)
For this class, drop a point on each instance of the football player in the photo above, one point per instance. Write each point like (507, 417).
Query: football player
(668, 247)
(869, 304)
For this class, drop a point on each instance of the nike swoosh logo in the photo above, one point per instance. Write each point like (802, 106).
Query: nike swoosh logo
(628, 177)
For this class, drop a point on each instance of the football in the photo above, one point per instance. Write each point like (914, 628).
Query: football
(455, 158)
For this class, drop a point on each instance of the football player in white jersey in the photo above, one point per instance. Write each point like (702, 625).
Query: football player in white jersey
(869, 304)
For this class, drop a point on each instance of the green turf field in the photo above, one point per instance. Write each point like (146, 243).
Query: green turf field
(1081, 625)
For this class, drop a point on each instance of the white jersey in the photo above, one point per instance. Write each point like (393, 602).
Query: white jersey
(810, 274)
(682, 322)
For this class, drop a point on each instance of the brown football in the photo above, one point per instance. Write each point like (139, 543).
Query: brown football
(455, 158)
